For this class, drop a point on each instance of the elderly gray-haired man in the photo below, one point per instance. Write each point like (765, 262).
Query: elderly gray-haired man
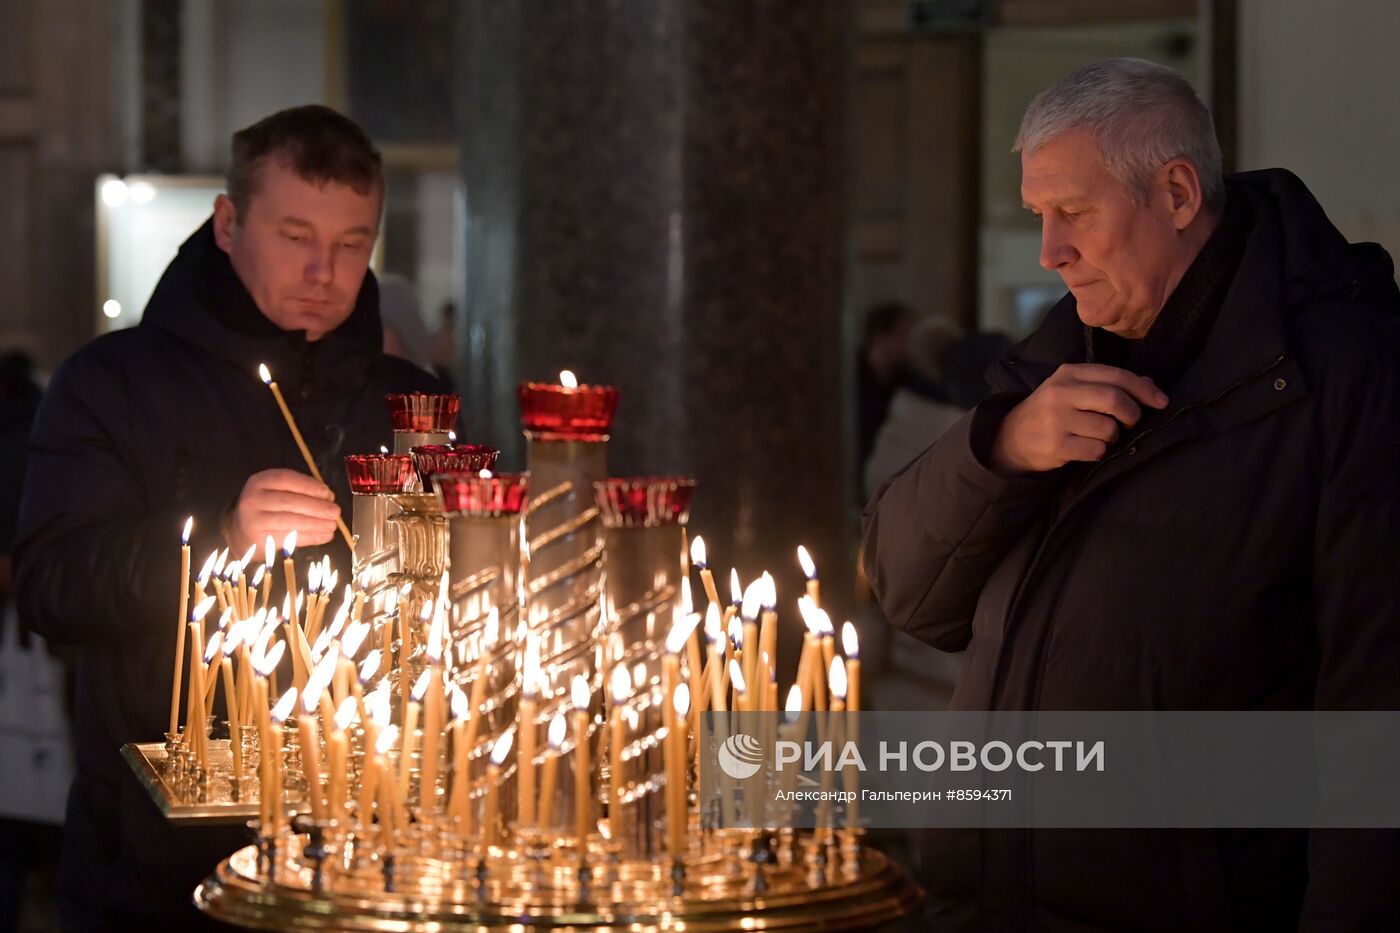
(1184, 496)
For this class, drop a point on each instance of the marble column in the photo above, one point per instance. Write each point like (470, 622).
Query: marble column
(655, 200)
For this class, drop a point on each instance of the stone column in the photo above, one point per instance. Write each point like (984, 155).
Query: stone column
(654, 200)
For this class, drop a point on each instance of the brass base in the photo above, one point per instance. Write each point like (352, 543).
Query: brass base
(716, 893)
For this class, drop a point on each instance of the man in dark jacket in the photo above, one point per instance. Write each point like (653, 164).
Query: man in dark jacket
(1183, 496)
(148, 425)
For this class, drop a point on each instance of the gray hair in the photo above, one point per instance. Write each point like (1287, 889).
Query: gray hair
(1142, 115)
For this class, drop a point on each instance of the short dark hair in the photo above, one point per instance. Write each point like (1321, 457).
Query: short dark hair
(318, 143)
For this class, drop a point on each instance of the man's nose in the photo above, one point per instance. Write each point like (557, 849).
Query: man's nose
(1056, 250)
(321, 269)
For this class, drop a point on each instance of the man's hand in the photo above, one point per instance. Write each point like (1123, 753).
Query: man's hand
(1073, 415)
(275, 502)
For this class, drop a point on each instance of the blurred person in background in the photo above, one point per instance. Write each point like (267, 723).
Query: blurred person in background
(884, 357)
(405, 334)
(443, 354)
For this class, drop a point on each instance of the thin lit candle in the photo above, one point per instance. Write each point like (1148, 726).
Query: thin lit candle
(301, 444)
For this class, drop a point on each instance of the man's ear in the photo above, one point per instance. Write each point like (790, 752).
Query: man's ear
(225, 219)
(1183, 191)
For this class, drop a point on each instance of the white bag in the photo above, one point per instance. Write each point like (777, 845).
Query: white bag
(36, 746)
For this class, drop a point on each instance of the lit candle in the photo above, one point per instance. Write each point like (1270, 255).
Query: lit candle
(525, 759)
(316, 685)
(194, 712)
(272, 757)
(461, 778)
(432, 723)
(557, 730)
(375, 716)
(621, 686)
(707, 577)
(852, 645)
(410, 728)
(583, 767)
(768, 636)
(491, 820)
(301, 444)
(809, 569)
(675, 772)
(235, 732)
(389, 805)
(269, 555)
(490, 633)
(714, 634)
(180, 625)
(752, 604)
(337, 748)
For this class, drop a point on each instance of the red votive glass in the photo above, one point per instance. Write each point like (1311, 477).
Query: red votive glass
(644, 501)
(431, 459)
(422, 413)
(482, 496)
(556, 412)
(379, 474)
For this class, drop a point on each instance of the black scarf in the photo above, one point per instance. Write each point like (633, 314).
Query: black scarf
(1179, 333)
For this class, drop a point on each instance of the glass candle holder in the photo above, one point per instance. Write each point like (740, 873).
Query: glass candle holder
(420, 418)
(431, 459)
(560, 412)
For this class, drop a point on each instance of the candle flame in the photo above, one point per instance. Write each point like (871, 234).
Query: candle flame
(232, 639)
(258, 576)
(329, 579)
(736, 677)
(621, 685)
(352, 640)
(492, 630)
(697, 553)
(208, 568)
(567, 379)
(370, 667)
(461, 706)
(215, 641)
(837, 678)
(420, 686)
(736, 632)
(220, 561)
(849, 641)
(809, 567)
(770, 593)
(808, 610)
(451, 437)
(323, 641)
(484, 474)
(269, 550)
(346, 715)
(202, 608)
(289, 543)
(318, 681)
(247, 557)
(185, 535)
(378, 704)
(736, 591)
(579, 692)
(753, 600)
(342, 615)
(794, 702)
(681, 700)
(313, 578)
(680, 632)
(531, 669)
(224, 618)
(271, 659)
(386, 740)
(283, 709)
(264, 374)
(556, 731)
(501, 749)
(713, 632)
(687, 604)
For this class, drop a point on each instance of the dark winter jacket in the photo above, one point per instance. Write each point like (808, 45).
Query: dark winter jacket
(1234, 551)
(138, 430)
